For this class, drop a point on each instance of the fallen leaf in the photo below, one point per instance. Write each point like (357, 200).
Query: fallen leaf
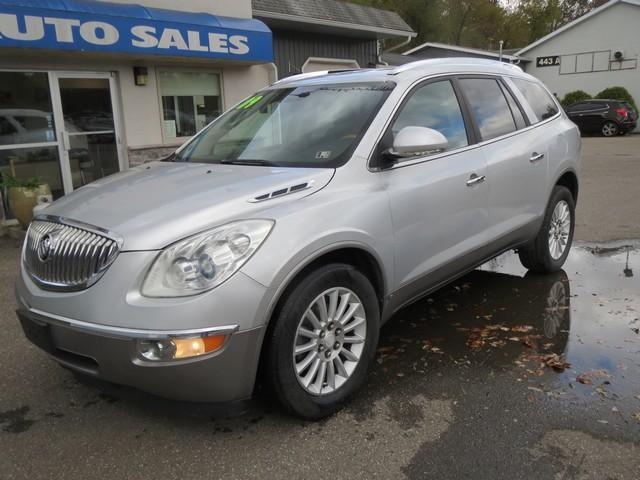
(552, 360)
(522, 328)
(385, 349)
(584, 379)
(636, 416)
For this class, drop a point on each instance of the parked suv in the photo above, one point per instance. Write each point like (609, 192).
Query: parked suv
(289, 230)
(608, 117)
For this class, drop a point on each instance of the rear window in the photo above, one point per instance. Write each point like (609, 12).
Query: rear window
(628, 106)
(489, 107)
(540, 101)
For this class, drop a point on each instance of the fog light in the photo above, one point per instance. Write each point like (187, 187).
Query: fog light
(179, 348)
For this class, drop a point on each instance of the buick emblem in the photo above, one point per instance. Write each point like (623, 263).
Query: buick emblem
(45, 247)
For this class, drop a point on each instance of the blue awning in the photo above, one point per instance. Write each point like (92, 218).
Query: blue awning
(96, 26)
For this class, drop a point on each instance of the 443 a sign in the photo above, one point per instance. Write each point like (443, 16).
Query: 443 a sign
(549, 61)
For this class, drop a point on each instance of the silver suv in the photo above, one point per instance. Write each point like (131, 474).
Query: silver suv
(291, 228)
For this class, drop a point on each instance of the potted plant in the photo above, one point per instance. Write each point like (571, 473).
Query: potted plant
(23, 195)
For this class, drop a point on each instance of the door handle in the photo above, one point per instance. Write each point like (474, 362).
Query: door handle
(64, 136)
(535, 157)
(473, 179)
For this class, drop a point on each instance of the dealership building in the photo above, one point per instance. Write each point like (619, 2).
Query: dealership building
(594, 52)
(88, 88)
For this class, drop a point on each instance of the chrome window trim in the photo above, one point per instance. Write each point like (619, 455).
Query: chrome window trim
(128, 333)
(419, 160)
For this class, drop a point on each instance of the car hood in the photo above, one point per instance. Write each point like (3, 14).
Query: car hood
(158, 203)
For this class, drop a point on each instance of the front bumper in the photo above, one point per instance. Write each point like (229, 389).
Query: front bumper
(110, 354)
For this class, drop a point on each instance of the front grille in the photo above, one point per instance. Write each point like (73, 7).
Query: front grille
(62, 255)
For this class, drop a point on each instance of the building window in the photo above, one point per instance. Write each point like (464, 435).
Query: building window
(587, 62)
(190, 100)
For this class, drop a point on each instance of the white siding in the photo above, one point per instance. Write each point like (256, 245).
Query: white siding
(227, 8)
(593, 41)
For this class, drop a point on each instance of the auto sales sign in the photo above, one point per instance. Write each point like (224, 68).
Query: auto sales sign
(193, 35)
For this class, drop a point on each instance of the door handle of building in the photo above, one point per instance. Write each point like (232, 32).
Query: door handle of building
(536, 156)
(65, 140)
(473, 179)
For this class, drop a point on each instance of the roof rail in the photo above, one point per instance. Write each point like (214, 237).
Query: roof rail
(303, 76)
(451, 61)
(300, 76)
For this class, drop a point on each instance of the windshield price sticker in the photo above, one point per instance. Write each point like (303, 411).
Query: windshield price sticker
(549, 61)
(249, 102)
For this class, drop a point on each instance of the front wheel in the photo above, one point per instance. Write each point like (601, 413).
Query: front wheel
(323, 342)
(610, 129)
(549, 250)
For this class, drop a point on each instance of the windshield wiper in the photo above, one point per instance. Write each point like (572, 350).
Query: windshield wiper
(245, 161)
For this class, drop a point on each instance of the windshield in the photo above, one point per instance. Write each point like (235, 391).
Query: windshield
(311, 126)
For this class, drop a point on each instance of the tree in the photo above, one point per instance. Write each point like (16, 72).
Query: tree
(483, 23)
(617, 93)
(573, 97)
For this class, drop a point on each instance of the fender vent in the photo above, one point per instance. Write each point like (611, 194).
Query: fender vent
(282, 192)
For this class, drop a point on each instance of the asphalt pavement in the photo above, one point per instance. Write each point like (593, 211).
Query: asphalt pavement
(502, 374)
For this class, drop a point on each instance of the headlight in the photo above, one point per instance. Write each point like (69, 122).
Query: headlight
(203, 261)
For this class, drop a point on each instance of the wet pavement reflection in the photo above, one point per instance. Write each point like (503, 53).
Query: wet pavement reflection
(573, 335)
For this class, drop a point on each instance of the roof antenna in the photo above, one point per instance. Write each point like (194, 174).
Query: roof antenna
(501, 43)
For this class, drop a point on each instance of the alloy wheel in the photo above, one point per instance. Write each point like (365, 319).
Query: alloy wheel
(329, 341)
(609, 129)
(559, 229)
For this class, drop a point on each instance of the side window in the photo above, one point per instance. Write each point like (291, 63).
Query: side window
(489, 107)
(540, 101)
(436, 106)
(576, 107)
(5, 127)
(515, 109)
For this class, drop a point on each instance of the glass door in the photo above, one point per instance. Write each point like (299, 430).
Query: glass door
(29, 144)
(90, 145)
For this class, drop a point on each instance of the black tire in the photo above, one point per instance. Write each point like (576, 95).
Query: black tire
(279, 365)
(536, 256)
(610, 129)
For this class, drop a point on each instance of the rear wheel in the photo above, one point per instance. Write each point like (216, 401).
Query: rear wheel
(549, 250)
(323, 342)
(610, 129)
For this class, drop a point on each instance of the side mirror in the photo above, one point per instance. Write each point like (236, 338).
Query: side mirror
(416, 141)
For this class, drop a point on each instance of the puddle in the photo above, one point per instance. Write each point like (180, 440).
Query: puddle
(573, 335)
